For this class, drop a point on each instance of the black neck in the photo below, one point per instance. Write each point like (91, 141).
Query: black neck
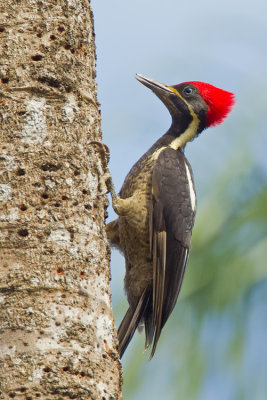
(177, 128)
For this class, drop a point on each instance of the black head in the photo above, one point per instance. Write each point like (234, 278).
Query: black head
(189, 95)
(183, 101)
(194, 100)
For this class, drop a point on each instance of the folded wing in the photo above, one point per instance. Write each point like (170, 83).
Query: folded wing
(171, 223)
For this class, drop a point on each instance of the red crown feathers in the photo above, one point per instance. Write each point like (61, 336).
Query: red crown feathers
(220, 102)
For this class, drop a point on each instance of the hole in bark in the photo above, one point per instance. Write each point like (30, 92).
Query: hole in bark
(60, 271)
(45, 196)
(38, 394)
(72, 51)
(50, 167)
(52, 37)
(47, 369)
(84, 191)
(49, 80)
(23, 207)
(57, 204)
(21, 112)
(66, 368)
(87, 206)
(67, 46)
(39, 35)
(20, 172)
(13, 394)
(37, 57)
(5, 80)
(23, 232)
(68, 88)
(77, 172)
(82, 373)
(61, 29)
(64, 197)
(28, 397)
(23, 389)
(2, 29)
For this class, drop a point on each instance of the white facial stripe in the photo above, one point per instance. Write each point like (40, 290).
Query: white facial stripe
(191, 131)
(185, 137)
(191, 188)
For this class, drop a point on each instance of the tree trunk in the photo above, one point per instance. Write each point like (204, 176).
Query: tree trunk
(57, 338)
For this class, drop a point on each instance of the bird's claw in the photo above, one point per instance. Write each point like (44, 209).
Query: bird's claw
(105, 154)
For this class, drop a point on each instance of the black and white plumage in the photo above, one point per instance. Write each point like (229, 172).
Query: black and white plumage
(156, 208)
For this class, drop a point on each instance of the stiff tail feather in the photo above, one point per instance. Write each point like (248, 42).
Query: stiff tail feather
(131, 320)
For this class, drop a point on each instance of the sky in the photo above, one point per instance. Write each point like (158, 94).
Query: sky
(220, 42)
(223, 43)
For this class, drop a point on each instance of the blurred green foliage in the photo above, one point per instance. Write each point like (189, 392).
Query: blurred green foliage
(213, 346)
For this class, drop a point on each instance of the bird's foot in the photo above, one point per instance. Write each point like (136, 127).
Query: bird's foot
(105, 156)
(120, 206)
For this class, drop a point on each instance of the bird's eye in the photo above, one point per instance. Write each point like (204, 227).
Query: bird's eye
(188, 90)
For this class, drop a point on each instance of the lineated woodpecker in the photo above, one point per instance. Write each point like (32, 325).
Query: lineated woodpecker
(157, 206)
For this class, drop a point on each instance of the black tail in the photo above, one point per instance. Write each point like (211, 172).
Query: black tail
(131, 320)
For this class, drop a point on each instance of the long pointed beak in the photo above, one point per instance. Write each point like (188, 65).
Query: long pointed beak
(154, 85)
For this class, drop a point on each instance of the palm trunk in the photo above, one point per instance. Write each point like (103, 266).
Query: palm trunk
(57, 338)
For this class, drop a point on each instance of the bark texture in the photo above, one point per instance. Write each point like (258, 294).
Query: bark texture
(57, 337)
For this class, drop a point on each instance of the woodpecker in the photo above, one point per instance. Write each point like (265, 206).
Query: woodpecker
(156, 207)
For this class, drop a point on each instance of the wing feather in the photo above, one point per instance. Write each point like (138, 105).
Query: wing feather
(171, 223)
(159, 280)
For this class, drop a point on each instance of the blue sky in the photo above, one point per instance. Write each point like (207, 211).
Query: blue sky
(220, 42)
(223, 43)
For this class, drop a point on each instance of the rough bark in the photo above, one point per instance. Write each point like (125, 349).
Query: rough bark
(57, 337)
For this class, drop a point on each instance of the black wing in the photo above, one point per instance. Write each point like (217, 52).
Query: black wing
(171, 223)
